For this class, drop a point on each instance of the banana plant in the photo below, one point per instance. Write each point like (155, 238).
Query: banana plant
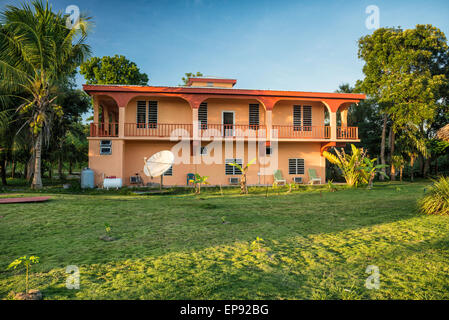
(244, 170)
(349, 164)
(370, 169)
(198, 181)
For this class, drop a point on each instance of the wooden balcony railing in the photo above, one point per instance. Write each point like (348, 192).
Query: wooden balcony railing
(302, 132)
(157, 130)
(347, 133)
(232, 130)
(104, 130)
(220, 130)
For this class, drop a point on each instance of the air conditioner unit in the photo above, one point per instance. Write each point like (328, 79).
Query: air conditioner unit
(134, 179)
(234, 180)
(297, 179)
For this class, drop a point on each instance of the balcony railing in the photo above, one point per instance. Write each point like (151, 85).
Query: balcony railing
(302, 132)
(347, 133)
(231, 130)
(220, 130)
(157, 130)
(104, 130)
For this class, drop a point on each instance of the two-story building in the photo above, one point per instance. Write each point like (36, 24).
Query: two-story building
(211, 119)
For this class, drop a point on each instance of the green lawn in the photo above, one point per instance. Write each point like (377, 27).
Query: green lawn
(316, 245)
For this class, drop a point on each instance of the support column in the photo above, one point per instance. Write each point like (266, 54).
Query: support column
(333, 124)
(121, 122)
(105, 128)
(96, 109)
(344, 117)
(269, 123)
(195, 125)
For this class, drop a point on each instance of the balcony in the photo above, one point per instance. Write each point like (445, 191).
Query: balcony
(104, 130)
(158, 130)
(347, 133)
(302, 132)
(167, 130)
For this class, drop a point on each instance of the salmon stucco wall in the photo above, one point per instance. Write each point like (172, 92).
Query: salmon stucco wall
(136, 150)
(283, 112)
(107, 165)
(170, 110)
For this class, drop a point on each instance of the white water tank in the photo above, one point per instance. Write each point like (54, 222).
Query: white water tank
(112, 183)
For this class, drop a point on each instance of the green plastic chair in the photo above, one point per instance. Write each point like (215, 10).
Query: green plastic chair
(278, 177)
(190, 176)
(313, 176)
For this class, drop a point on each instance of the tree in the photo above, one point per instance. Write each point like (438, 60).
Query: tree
(198, 181)
(68, 132)
(190, 75)
(37, 52)
(244, 171)
(112, 70)
(27, 262)
(370, 169)
(405, 71)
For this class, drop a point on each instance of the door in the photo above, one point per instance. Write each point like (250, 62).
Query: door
(228, 123)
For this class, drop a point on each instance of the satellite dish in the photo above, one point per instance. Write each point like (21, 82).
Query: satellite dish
(158, 163)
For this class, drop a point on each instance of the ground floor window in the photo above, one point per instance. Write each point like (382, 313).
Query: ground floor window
(295, 166)
(231, 170)
(169, 172)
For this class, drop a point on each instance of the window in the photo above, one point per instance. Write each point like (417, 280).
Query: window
(253, 116)
(202, 115)
(302, 118)
(296, 118)
(231, 170)
(105, 147)
(169, 172)
(307, 118)
(141, 114)
(268, 151)
(295, 166)
(203, 151)
(152, 114)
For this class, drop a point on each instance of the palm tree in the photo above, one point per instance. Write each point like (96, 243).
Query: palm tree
(37, 53)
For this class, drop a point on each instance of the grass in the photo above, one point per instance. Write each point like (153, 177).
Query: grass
(316, 244)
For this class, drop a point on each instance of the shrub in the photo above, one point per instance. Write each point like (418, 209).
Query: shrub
(436, 200)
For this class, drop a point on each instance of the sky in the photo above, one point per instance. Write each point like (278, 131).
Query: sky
(284, 45)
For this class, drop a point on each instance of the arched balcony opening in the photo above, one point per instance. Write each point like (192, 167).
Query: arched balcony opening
(300, 119)
(106, 117)
(231, 117)
(157, 116)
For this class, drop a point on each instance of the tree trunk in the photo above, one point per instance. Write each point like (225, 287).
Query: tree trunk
(382, 146)
(13, 169)
(30, 168)
(400, 173)
(3, 169)
(393, 169)
(37, 178)
(412, 163)
(70, 166)
(25, 170)
(60, 167)
(426, 167)
(421, 165)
